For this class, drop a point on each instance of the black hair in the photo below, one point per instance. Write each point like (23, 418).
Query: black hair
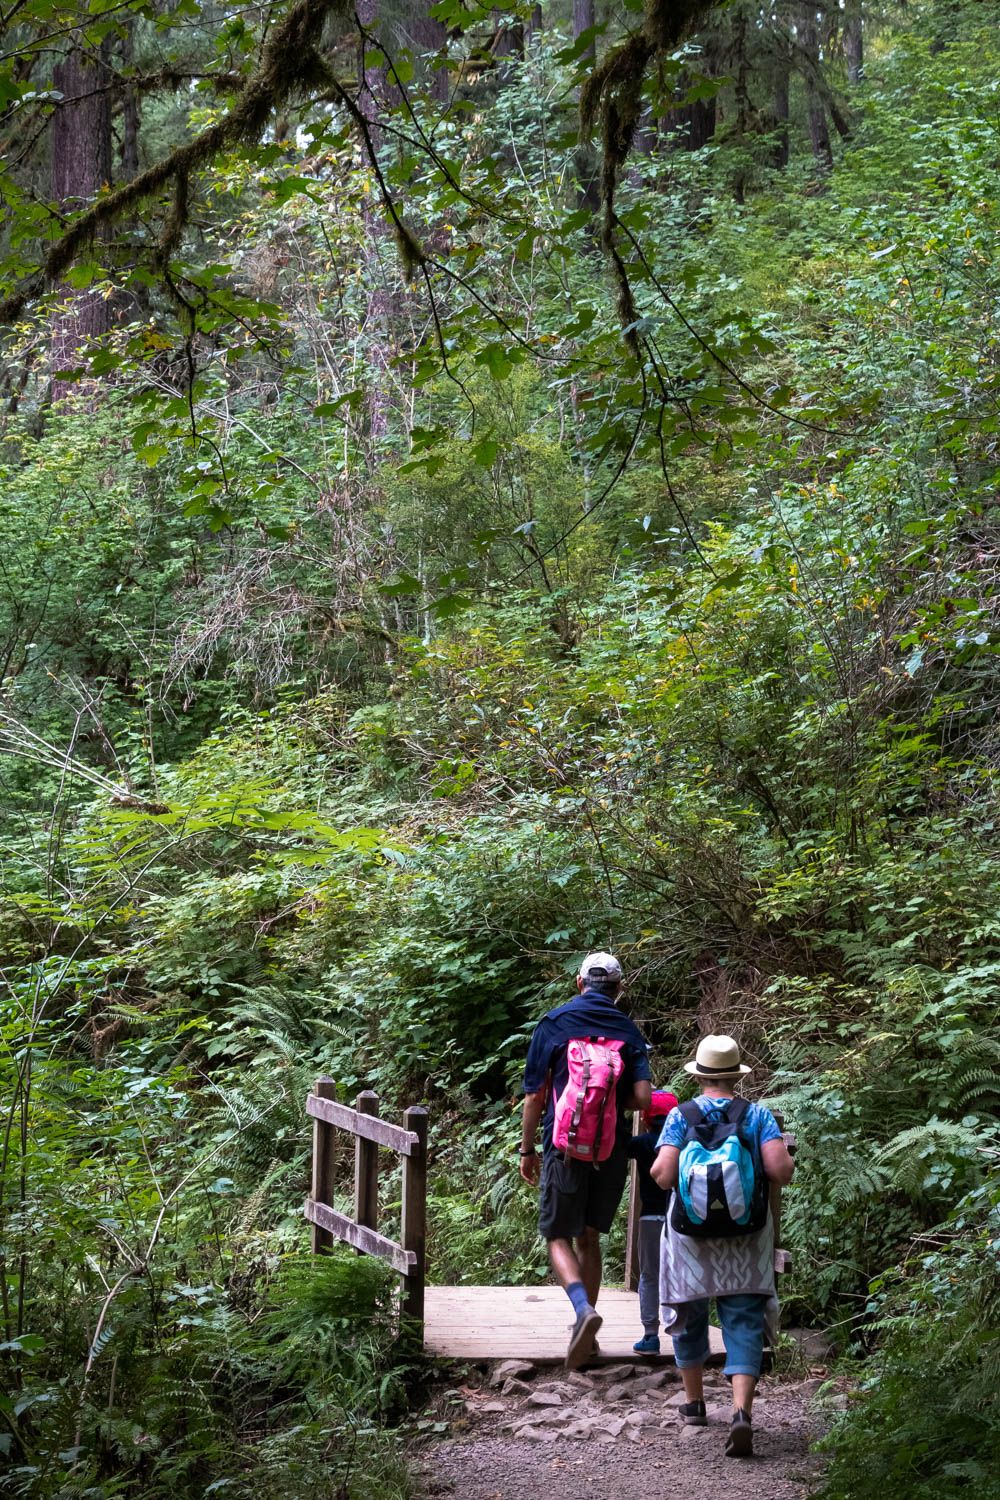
(609, 987)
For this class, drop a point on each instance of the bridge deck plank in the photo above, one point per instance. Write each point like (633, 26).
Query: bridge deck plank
(510, 1322)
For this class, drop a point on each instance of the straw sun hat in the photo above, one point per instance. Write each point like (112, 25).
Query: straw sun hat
(716, 1057)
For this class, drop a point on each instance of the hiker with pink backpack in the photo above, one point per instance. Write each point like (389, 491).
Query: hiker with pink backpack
(587, 1069)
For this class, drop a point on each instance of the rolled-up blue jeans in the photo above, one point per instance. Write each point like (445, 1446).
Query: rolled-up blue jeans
(741, 1318)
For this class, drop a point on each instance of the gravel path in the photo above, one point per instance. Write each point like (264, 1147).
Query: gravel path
(540, 1437)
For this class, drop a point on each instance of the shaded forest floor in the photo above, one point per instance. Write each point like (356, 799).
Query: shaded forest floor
(616, 1432)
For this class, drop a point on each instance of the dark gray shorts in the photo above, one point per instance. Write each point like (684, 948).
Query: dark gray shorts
(574, 1196)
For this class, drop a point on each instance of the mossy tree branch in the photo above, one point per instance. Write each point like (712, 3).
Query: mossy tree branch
(290, 63)
(611, 98)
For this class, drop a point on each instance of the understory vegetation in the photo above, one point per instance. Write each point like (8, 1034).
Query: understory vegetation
(379, 634)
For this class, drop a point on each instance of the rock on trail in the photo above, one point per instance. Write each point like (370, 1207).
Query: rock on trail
(615, 1430)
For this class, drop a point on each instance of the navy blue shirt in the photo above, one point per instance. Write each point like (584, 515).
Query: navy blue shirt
(588, 1015)
(642, 1149)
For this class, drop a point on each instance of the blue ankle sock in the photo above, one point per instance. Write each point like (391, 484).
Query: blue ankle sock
(577, 1296)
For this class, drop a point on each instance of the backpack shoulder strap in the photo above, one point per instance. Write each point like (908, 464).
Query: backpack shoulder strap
(736, 1114)
(692, 1114)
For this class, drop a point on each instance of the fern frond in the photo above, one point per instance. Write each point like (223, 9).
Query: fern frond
(910, 1153)
(974, 1083)
(943, 1135)
(856, 1178)
(978, 1044)
(502, 1191)
(133, 1014)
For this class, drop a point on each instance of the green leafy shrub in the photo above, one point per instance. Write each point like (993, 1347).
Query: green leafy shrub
(923, 1421)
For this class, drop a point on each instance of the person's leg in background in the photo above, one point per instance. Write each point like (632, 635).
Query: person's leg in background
(650, 1232)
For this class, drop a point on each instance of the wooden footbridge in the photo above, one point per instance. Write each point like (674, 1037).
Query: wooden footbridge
(458, 1322)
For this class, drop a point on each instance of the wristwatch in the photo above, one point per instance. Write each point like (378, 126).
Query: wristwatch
(531, 1151)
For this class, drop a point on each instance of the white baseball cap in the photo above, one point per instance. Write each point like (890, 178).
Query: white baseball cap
(601, 966)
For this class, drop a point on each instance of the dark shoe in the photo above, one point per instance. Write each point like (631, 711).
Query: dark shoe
(648, 1344)
(581, 1340)
(594, 1354)
(692, 1414)
(739, 1444)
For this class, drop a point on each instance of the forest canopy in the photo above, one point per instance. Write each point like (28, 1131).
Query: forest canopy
(481, 483)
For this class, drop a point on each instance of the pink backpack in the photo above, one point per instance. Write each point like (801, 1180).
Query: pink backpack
(586, 1112)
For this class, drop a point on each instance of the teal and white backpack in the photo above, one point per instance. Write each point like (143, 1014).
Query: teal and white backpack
(722, 1189)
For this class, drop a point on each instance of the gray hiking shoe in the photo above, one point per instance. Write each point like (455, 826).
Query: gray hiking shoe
(583, 1337)
(739, 1444)
(693, 1414)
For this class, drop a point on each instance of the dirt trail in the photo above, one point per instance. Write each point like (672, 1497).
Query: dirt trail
(545, 1435)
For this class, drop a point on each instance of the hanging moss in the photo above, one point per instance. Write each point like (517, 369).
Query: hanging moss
(611, 101)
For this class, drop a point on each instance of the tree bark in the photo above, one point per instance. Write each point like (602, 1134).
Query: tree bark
(741, 85)
(587, 166)
(373, 99)
(584, 17)
(742, 95)
(130, 116)
(781, 82)
(81, 166)
(854, 41)
(423, 33)
(508, 41)
(819, 130)
(697, 120)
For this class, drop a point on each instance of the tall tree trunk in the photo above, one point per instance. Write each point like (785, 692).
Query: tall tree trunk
(819, 130)
(587, 166)
(702, 116)
(423, 33)
(81, 166)
(697, 120)
(507, 42)
(854, 41)
(373, 99)
(584, 17)
(742, 96)
(372, 87)
(781, 82)
(741, 86)
(130, 115)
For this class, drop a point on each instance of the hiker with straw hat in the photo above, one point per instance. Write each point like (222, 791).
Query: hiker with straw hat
(719, 1153)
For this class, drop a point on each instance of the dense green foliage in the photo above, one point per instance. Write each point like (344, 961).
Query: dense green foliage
(372, 646)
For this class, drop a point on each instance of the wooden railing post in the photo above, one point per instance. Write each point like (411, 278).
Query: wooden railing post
(322, 1166)
(632, 1224)
(366, 1167)
(414, 1227)
(782, 1259)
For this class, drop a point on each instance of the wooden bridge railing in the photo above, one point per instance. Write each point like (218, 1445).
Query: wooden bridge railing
(409, 1141)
